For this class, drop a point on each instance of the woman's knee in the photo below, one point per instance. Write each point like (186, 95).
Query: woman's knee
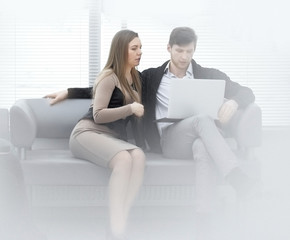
(138, 157)
(122, 161)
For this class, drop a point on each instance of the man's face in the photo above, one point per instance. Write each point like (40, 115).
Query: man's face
(181, 55)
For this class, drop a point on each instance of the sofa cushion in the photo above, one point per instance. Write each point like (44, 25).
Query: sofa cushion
(59, 167)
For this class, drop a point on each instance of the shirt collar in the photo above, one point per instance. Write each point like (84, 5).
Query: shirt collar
(189, 71)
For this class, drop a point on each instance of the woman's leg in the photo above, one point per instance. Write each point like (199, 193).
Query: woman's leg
(136, 178)
(127, 172)
(126, 179)
(121, 165)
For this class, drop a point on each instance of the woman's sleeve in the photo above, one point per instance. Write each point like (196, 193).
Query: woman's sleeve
(101, 112)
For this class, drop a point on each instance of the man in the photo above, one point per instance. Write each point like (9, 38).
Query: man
(196, 137)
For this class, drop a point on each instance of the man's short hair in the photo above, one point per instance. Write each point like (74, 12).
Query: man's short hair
(182, 36)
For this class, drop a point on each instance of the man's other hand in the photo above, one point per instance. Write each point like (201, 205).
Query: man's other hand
(57, 96)
(227, 111)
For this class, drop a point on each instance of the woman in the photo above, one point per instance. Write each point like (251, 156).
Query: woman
(100, 136)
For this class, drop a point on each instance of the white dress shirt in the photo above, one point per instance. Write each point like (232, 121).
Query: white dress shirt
(164, 92)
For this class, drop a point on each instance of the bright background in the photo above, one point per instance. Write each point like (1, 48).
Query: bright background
(47, 46)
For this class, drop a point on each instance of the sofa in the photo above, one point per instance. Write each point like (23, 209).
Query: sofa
(39, 134)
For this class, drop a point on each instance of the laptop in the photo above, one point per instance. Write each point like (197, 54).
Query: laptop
(189, 97)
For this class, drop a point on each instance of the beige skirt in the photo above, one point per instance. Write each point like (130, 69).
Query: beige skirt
(96, 143)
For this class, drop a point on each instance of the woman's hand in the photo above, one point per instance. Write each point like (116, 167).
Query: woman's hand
(137, 109)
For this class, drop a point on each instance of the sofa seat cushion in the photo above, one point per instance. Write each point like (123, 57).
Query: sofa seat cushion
(59, 167)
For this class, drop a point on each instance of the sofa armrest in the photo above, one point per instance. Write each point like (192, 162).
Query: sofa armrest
(22, 125)
(4, 146)
(246, 126)
(4, 131)
(36, 118)
(4, 123)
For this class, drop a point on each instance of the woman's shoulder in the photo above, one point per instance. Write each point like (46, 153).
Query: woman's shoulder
(108, 77)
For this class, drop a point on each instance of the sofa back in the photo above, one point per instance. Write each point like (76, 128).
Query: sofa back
(36, 118)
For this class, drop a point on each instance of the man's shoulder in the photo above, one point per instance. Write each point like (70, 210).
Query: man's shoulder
(207, 72)
(155, 70)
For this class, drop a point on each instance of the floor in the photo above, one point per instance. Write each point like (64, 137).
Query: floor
(266, 217)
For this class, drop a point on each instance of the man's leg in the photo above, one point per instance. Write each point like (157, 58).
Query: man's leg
(205, 179)
(188, 145)
(177, 141)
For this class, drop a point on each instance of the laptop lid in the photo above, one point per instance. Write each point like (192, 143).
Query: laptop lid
(189, 97)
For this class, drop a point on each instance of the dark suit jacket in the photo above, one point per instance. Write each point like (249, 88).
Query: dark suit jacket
(151, 79)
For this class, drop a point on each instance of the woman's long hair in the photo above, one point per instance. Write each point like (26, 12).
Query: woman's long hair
(117, 60)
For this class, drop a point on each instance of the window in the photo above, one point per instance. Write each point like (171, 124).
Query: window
(247, 40)
(46, 46)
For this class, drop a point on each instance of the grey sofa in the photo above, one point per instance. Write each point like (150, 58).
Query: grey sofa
(39, 134)
(4, 131)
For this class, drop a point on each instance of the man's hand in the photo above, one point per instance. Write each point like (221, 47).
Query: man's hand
(57, 96)
(227, 110)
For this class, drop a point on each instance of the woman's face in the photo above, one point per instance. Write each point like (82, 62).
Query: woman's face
(134, 52)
